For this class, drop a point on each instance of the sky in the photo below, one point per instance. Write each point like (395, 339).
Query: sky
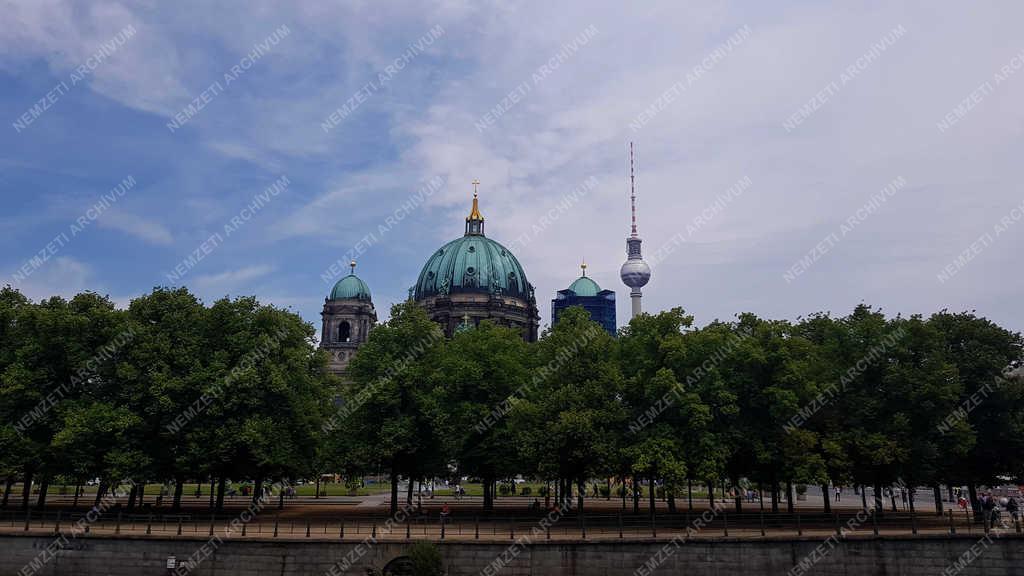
(791, 157)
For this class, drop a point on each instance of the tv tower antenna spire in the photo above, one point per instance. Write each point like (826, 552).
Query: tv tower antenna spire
(632, 190)
(634, 273)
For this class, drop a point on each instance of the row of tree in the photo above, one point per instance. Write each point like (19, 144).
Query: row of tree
(172, 390)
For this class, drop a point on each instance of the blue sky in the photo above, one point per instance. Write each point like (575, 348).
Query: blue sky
(937, 103)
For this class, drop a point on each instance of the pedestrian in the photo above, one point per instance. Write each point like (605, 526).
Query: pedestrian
(988, 508)
(1013, 507)
(839, 492)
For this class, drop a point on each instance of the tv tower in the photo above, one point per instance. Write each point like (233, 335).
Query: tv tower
(635, 273)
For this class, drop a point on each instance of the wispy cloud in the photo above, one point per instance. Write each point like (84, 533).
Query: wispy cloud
(232, 280)
(136, 226)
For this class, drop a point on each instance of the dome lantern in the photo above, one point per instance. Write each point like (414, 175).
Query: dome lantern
(475, 220)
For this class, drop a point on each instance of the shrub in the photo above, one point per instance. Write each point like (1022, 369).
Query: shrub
(543, 491)
(527, 491)
(426, 559)
(503, 489)
(604, 491)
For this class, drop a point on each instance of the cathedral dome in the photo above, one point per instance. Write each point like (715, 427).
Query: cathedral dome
(473, 263)
(351, 287)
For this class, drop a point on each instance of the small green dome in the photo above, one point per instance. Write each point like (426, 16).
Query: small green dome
(350, 287)
(584, 286)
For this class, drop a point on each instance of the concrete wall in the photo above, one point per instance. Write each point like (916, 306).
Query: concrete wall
(97, 556)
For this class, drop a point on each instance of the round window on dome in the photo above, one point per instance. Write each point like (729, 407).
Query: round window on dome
(471, 270)
(472, 249)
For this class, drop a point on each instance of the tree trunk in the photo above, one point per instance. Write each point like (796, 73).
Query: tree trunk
(789, 497)
(78, 492)
(938, 500)
(488, 482)
(773, 485)
(671, 500)
(316, 496)
(622, 486)
(892, 498)
(972, 491)
(131, 497)
(280, 496)
(826, 498)
(100, 491)
(408, 493)
(394, 491)
(43, 489)
(179, 487)
(581, 491)
(7, 491)
(213, 490)
(863, 497)
(547, 496)
(739, 497)
(221, 485)
(651, 499)
(910, 500)
(608, 496)
(26, 490)
(711, 493)
(257, 489)
(879, 509)
(949, 489)
(142, 492)
(689, 493)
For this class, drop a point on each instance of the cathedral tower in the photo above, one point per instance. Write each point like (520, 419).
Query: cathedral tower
(348, 316)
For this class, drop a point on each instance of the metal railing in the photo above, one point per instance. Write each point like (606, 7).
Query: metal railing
(709, 523)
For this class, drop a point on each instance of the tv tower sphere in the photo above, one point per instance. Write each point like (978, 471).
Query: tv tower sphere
(635, 273)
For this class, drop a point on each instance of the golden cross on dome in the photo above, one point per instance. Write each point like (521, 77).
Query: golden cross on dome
(583, 266)
(352, 265)
(475, 183)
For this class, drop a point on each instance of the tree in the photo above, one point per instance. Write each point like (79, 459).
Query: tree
(392, 401)
(987, 424)
(665, 414)
(571, 419)
(481, 373)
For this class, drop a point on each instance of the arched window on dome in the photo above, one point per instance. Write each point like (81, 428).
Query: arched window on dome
(344, 332)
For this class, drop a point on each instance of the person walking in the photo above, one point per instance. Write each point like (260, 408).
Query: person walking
(1013, 507)
(988, 508)
(839, 492)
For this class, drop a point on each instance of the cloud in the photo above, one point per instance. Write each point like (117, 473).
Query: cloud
(136, 226)
(237, 280)
(572, 124)
(63, 276)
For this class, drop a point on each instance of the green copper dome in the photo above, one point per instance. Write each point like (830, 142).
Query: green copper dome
(473, 263)
(584, 286)
(349, 287)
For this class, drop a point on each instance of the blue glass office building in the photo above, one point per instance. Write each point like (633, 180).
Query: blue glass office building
(586, 293)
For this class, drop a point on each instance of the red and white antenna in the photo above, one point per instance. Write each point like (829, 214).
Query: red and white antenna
(632, 190)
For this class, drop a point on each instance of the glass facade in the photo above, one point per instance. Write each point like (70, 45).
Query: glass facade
(601, 307)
